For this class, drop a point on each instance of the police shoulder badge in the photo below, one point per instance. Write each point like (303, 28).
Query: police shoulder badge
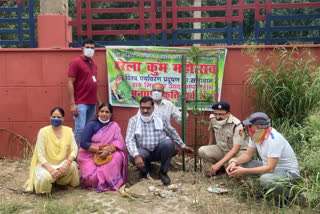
(219, 106)
(241, 132)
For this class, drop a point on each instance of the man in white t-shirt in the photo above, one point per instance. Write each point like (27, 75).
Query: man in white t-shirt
(279, 164)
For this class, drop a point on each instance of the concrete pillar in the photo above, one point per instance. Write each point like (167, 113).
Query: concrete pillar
(197, 25)
(54, 30)
(54, 7)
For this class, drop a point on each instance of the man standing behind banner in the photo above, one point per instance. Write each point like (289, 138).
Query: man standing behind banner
(165, 107)
(83, 88)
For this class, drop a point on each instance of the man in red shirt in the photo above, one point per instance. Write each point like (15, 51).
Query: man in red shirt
(83, 88)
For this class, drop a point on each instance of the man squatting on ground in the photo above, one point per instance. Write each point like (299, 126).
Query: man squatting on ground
(226, 139)
(279, 163)
(83, 88)
(146, 140)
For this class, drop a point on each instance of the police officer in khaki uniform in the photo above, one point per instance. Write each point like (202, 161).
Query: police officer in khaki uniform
(226, 139)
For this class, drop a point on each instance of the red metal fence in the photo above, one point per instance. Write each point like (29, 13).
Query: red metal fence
(171, 22)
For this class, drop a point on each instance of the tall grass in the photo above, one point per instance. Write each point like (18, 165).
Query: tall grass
(286, 84)
(13, 207)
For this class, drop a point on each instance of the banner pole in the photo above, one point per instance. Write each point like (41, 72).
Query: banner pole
(183, 105)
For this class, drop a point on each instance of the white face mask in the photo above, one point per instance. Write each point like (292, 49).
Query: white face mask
(156, 95)
(146, 118)
(103, 121)
(88, 52)
(221, 122)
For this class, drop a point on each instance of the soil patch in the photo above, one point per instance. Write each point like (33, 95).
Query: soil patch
(188, 194)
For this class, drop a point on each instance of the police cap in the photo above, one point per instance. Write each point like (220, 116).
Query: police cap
(221, 106)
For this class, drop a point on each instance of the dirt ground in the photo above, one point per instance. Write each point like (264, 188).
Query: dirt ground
(190, 195)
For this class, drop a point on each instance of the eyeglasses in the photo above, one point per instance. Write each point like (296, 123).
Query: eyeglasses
(89, 47)
(148, 108)
(219, 114)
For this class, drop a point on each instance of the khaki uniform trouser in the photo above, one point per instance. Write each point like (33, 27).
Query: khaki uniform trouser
(213, 154)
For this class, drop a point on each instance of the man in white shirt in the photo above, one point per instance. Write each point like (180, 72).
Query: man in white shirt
(279, 164)
(165, 107)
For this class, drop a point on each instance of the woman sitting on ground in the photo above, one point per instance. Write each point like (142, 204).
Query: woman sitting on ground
(103, 155)
(52, 160)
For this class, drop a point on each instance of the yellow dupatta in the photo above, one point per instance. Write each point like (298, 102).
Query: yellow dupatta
(56, 150)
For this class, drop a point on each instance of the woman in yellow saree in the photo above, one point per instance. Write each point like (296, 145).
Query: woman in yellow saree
(53, 157)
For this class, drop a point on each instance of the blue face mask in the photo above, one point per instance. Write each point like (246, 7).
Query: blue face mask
(56, 121)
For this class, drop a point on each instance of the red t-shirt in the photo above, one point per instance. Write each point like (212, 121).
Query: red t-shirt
(85, 88)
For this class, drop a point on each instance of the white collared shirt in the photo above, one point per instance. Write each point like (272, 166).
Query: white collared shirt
(168, 110)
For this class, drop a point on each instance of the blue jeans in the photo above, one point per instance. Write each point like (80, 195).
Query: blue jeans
(86, 113)
(163, 153)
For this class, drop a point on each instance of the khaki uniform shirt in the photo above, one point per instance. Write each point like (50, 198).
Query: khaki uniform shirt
(231, 133)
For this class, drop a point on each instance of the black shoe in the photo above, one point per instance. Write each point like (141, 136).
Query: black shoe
(164, 178)
(143, 174)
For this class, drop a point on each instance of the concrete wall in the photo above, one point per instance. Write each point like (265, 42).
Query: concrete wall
(33, 81)
(54, 7)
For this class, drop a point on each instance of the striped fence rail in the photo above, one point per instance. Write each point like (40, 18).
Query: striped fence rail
(172, 22)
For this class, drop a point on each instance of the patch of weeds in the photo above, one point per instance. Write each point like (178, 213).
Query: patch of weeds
(54, 207)
(13, 208)
(22, 164)
(88, 207)
(198, 207)
(133, 200)
(244, 189)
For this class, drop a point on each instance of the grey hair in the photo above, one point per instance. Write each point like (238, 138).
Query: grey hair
(266, 126)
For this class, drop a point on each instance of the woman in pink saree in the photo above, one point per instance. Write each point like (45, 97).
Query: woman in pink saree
(103, 155)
